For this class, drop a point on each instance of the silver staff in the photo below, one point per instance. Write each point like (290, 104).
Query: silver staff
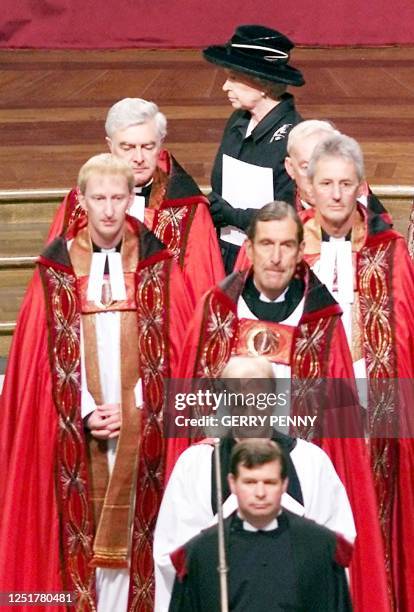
(222, 566)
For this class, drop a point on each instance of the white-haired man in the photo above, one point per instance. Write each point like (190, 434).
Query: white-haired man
(302, 140)
(366, 266)
(82, 448)
(166, 199)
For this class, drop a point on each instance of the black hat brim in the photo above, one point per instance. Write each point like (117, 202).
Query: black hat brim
(279, 73)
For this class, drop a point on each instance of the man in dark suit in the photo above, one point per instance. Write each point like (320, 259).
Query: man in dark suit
(277, 561)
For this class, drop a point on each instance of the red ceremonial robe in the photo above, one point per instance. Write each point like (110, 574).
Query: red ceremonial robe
(47, 528)
(410, 233)
(178, 215)
(384, 276)
(319, 351)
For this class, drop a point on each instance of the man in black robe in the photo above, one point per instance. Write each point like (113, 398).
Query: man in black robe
(277, 561)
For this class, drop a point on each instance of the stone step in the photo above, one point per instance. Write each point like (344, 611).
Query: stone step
(24, 206)
(25, 218)
(13, 283)
(21, 240)
(5, 342)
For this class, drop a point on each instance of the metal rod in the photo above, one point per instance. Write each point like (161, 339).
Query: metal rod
(222, 566)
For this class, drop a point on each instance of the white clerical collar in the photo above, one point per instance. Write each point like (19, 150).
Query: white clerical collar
(336, 268)
(335, 239)
(138, 190)
(96, 276)
(363, 199)
(269, 527)
(264, 298)
(137, 208)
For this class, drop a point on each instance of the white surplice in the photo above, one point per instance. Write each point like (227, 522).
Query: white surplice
(112, 585)
(186, 506)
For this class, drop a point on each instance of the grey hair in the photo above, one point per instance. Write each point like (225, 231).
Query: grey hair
(134, 111)
(275, 211)
(309, 128)
(338, 146)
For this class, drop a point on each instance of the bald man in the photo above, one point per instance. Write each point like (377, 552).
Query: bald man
(302, 140)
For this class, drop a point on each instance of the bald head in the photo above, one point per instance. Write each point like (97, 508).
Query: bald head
(248, 381)
(302, 140)
(247, 367)
(305, 129)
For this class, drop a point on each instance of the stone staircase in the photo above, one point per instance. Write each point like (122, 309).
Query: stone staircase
(25, 217)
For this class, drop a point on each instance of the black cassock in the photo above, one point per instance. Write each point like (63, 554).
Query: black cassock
(291, 568)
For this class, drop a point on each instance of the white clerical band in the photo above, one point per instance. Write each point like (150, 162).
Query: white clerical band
(137, 208)
(336, 256)
(116, 276)
(278, 53)
(96, 277)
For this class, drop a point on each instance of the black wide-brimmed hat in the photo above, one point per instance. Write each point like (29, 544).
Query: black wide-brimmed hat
(257, 51)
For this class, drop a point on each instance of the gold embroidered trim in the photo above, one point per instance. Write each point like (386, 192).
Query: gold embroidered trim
(218, 343)
(71, 470)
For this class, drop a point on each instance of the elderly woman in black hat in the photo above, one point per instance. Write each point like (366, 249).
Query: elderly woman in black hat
(256, 62)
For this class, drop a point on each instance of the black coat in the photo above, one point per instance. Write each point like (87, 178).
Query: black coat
(266, 145)
(320, 583)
